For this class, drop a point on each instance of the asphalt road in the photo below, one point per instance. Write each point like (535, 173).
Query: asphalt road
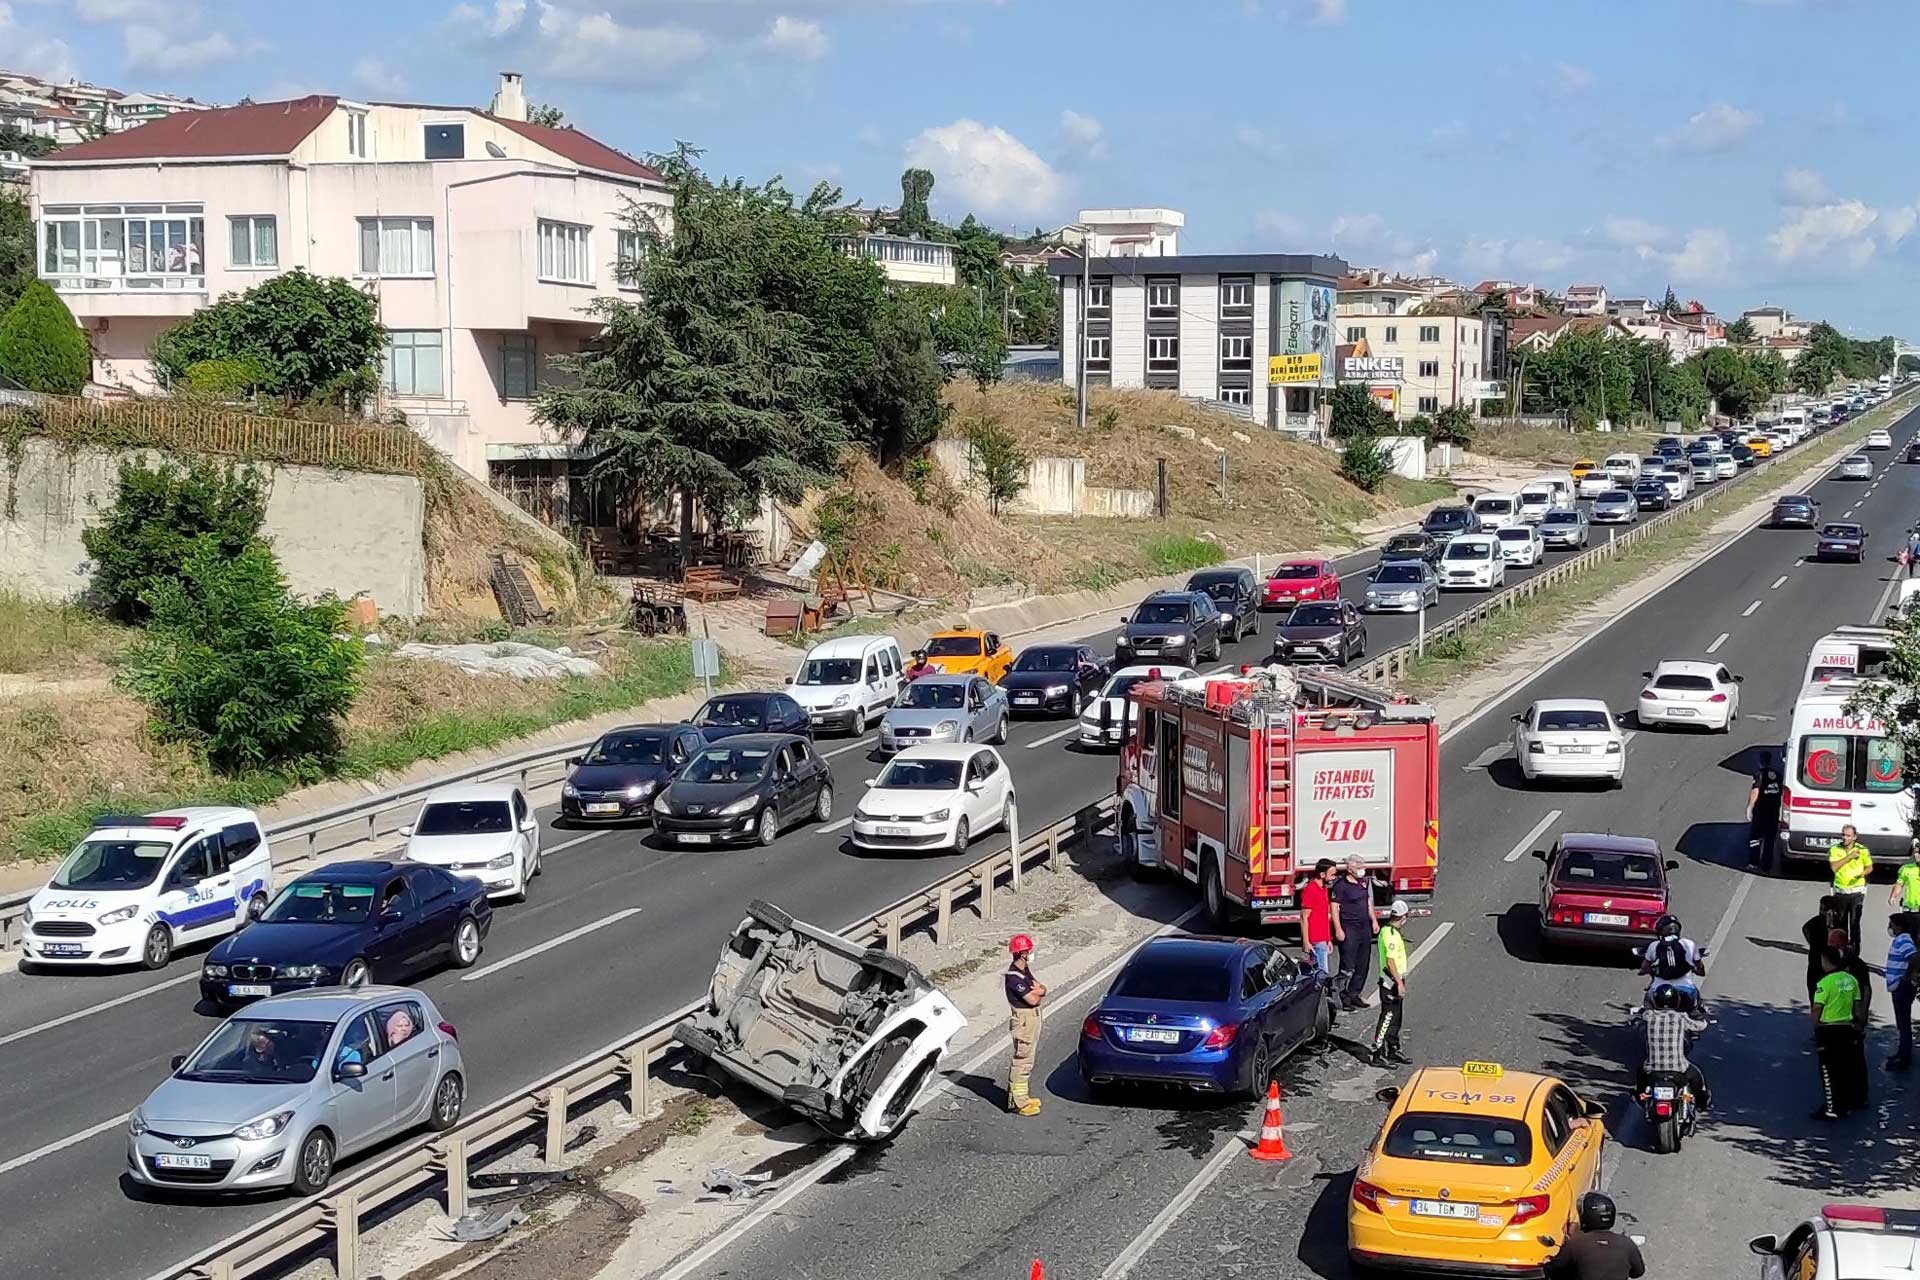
(620, 930)
(1159, 1187)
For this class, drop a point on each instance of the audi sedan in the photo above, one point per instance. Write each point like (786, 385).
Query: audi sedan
(1795, 510)
(1650, 494)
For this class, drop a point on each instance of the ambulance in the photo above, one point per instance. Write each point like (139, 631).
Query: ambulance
(1849, 652)
(1842, 768)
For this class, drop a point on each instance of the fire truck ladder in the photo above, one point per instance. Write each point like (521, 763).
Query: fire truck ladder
(1278, 731)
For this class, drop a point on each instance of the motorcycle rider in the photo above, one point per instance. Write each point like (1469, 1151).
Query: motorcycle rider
(1668, 1024)
(1672, 960)
(1596, 1251)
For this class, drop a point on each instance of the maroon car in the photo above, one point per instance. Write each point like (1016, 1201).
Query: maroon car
(1602, 890)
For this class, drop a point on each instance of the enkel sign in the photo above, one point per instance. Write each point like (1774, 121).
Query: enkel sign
(1373, 369)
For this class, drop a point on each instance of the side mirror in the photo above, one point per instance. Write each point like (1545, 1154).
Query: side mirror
(1739, 679)
(977, 785)
(1388, 1095)
(529, 826)
(350, 1071)
(392, 915)
(1518, 717)
(407, 831)
(786, 679)
(873, 782)
(1646, 675)
(178, 1061)
(1594, 1110)
(1540, 854)
(1673, 864)
(573, 761)
(256, 908)
(1766, 1246)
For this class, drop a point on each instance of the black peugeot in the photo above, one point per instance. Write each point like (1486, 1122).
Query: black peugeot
(744, 789)
(618, 775)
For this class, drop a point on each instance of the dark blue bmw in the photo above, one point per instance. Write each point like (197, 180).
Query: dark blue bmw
(349, 924)
(1213, 1014)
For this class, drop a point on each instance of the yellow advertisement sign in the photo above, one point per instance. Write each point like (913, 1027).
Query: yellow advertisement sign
(1290, 370)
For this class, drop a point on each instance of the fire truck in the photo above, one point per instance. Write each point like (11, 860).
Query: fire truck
(1241, 785)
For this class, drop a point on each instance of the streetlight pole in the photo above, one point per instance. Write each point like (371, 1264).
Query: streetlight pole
(1086, 283)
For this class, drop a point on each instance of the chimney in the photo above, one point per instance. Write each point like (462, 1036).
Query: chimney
(510, 101)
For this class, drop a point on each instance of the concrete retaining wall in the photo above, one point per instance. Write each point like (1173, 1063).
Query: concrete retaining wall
(1055, 486)
(348, 532)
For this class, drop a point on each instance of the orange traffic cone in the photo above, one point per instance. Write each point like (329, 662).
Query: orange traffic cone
(1272, 1146)
(1038, 1273)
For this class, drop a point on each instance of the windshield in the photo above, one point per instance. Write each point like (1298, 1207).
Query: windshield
(922, 775)
(1314, 615)
(1295, 571)
(1494, 506)
(1579, 867)
(464, 818)
(727, 764)
(934, 697)
(1045, 660)
(111, 864)
(1461, 1139)
(732, 713)
(1161, 612)
(1793, 502)
(1166, 973)
(1218, 588)
(1571, 722)
(954, 647)
(1450, 518)
(321, 902)
(260, 1051)
(628, 748)
(1614, 495)
(1468, 551)
(1397, 573)
(1535, 497)
(1562, 517)
(829, 671)
(1121, 686)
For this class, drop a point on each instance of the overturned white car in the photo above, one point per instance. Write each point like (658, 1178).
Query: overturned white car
(845, 1035)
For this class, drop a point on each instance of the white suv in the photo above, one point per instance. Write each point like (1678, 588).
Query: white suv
(1846, 1242)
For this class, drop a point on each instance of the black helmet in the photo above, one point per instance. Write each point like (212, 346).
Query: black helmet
(1596, 1212)
(1667, 926)
(1665, 997)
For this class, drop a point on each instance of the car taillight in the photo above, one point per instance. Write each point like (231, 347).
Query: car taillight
(446, 1029)
(1090, 1029)
(1527, 1208)
(1718, 697)
(1366, 1195)
(1648, 693)
(1221, 1036)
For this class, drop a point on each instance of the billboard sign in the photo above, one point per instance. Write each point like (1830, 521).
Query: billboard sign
(1304, 324)
(1345, 806)
(1373, 369)
(1294, 371)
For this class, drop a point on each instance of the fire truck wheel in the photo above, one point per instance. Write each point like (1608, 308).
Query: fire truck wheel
(1213, 892)
(1130, 845)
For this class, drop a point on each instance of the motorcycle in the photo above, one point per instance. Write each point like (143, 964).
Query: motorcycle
(1667, 1103)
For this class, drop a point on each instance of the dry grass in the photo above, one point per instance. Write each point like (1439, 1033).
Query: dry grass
(58, 641)
(1545, 444)
(463, 527)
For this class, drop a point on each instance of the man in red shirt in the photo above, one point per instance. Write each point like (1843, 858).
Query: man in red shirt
(1316, 916)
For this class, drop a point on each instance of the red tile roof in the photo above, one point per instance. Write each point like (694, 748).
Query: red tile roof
(262, 129)
(576, 146)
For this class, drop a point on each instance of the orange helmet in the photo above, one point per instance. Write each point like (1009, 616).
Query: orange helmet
(1020, 944)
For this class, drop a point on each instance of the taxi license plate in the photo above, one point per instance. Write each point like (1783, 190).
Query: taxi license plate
(603, 808)
(169, 1161)
(1444, 1209)
(249, 989)
(61, 949)
(1152, 1035)
(694, 837)
(893, 831)
(1606, 917)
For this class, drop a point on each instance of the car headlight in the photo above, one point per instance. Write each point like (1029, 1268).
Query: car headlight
(265, 1127)
(123, 913)
(570, 791)
(938, 815)
(745, 804)
(639, 791)
(213, 970)
(660, 803)
(136, 1123)
(842, 699)
(301, 972)
(500, 863)
(1054, 690)
(1177, 642)
(947, 728)
(27, 915)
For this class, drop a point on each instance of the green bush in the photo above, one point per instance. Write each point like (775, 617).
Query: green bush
(232, 662)
(1366, 462)
(158, 516)
(310, 337)
(1174, 554)
(234, 378)
(41, 347)
(1453, 425)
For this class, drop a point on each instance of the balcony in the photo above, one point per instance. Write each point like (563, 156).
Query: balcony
(135, 259)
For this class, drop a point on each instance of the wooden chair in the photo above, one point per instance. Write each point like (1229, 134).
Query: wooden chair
(709, 582)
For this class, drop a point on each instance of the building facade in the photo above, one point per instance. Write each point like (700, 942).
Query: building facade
(906, 259)
(1586, 300)
(1131, 233)
(482, 238)
(1415, 364)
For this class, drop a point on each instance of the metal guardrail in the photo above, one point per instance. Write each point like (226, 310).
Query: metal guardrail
(624, 1068)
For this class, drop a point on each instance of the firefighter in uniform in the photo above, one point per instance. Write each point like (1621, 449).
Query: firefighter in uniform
(1024, 994)
(1393, 987)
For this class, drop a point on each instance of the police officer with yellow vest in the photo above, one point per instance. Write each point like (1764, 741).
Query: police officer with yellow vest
(1838, 1039)
(1906, 883)
(1851, 864)
(1392, 946)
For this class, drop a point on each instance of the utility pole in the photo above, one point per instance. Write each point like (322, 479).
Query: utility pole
(1086, 283)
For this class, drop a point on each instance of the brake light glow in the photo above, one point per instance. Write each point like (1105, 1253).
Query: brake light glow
(1366, 1195)
(1221, 1036)
(163, 822)
(1526, 1208)
(1718, 697)
(1090, 1029)
(1647, 693)
(1663, 1109)
(446, 1029)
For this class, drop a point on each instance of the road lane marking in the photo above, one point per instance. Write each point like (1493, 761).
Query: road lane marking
(1722, 639)
(1748, 612)
(1487, 757)
(1847, 514)
(64, 1143)
(1527, 840)
(1054, 737)
(1440, 931)
(92, 1009)
(853, 746)
(1169, 1214)
(832, 827)
(1725, 926)
(565, 845)
(550, 944)
(1800, 562)
(1778, 582)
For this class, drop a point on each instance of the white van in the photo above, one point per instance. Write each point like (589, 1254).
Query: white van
(1566, 493)
(135, 888)
(1497, 511)
(849, 682)
(1622, 468)
(1842, 769)
(1536, 499)
(1849, 652)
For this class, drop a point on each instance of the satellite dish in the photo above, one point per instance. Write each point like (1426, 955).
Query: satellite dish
(493, 149)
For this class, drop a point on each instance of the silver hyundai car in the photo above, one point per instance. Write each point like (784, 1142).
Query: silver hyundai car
(946, 709)
(293, 1083)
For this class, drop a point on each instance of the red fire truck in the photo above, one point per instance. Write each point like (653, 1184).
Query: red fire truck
(1242, 784)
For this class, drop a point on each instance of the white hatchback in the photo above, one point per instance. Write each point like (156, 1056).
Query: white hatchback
(1473, 561)
(1521, 546)
(935, 797)
(1690, 693)
(1569, 738)
(1879, 438)
(482, 831)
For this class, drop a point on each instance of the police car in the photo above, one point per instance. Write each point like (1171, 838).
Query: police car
(1846, 1242)
(136, 887)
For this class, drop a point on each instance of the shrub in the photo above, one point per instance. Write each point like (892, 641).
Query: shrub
(998, 458)
(918, 474)
(1453, 425)
(158, 516)
(232, 662)
(310, 337)
(1356, 414)
(843, 518)
(1366, 462)
(1418, 425)
(41, 347)
(229, 379)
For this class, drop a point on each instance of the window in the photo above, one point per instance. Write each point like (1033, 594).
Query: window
(1099, 352)
(1236, 352)
(446, 142)
(1163, 297)
(629, 248)
(1429, 404)
(357, 134)
(1163, 352)
(411, 366)
(1356, 333)
(519, 366)
(192, 867)
(1393, 333)
(564, 253)
(1100, 295)
(396, 246)
(1429, 368)
(255, 241)
(1429, 333)
(240, 841)
(124, 247)
(1236, 294)
(1236, 395)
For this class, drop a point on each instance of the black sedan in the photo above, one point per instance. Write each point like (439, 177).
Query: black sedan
(745, 789)
(1795, 511)
(1321, 631)
(1651, 495)
(1912, 453)
(349, 924)
(726, 714)
(618, 775)
(1054, 679)
(1236, 594)
(1742, 456)
(1842, 540)
(1412, 546)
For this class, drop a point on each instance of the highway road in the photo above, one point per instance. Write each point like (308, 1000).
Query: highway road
(1158, 1187)
(620, 930)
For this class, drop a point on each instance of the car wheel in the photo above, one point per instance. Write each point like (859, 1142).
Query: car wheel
(823, 804)
(158, 949)
(355, 974)
(960, 836)
(314, 1169)
(449, 1099)
(1260, 1070)
(1346, 654)
(466, 943)
(769, 829)
(256, 906)
(1006, 816)
(1077, 702)
(1130, 845)
(1000, 732)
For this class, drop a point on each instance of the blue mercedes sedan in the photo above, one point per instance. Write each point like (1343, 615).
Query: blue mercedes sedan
(1212, 1014)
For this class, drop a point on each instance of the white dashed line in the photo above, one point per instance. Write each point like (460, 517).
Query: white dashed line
(1526, 841)
(1487, 757)
(832, 827)
(63, 1143)
(550, 944)
(1778, 583)
(1419, 953)
(1715, 646)
(853, 746)
(1054, 737)
(565, 845)
(1749, 611)
(1797, 563)
(92, 1009)
(1847, 514)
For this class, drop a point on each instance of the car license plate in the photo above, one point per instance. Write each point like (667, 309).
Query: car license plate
(603, 808)
(61, 949)
(1444, 1209)
(892, 831)
(1306, 648)
(1680, 711)
(1152, 1035)
(1607, 918)
(1026, 699)
(694, 837)
(170, 1161)
(1576, 751)
(249, 989)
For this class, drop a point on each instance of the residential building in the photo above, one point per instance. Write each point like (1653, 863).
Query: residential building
(131, 110)
(907, 259)
(1776, 322)
(1521, 296)
(1787, 348)
(1132, 233)
(1586, 300)
(1634, 310)
(1208, 326)
(1424, 363)
(1537, 333)
(1376, 293)
(483, 239)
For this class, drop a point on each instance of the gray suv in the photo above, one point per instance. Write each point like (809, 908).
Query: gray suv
(1181, 627)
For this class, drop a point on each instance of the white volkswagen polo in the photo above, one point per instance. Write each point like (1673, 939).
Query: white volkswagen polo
(483, 831)
(935, 797)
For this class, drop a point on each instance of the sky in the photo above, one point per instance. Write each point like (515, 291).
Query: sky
(1745, 152)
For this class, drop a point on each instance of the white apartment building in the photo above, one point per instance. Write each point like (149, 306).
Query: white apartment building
(1377, 293)
(483, 238)
(1132, 233)
(1586, 300)
(1418, 364)
(906, 259)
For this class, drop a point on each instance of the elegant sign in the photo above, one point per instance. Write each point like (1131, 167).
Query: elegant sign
(1293, 370)
(1373, 369)
(1305, 324)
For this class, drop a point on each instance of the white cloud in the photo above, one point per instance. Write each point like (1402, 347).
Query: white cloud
(111, 10)
(795, 38)
(1804, 186)
(1571, 80)
(984, 168)
(572, 45)
(1713, 128)
(376, 79)
(1630, 232)
(33, 52)
(1082, 138)
(1327, 13)
(152, 49)
(1284, 226)
(1816, 230)
(1261, 143)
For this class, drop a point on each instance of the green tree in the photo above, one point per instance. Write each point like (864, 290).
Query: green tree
(914, 219)
(1813, 372)
(160, 513)
(1670, 304)
(1583, 371)
(1355, 414)
(232, 662)
(1731, 379)
(1366, 462)
(966, 334)
(997, 459)
(1036, 308)
(41, 347)
(1893, 696)
(16, 248)
(30, 145)
(976, 257)
(1771, 369)
(1740, 333)
(1453, 425)
(546, 115)
(311, 337)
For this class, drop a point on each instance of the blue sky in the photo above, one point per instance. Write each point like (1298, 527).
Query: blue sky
(1745, 151)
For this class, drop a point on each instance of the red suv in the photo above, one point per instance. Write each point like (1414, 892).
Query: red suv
(1298, 580)
(1601, 889)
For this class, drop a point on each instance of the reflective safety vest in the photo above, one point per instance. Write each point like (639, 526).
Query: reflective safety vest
(1392, 947)
(1909, 878)
(1851, 866)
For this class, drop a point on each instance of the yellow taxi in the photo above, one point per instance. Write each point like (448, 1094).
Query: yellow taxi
(1761, 446)
(1580, 469)
(965, 651)
(1473, 1167)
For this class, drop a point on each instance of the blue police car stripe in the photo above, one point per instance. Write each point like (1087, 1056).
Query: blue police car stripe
(204, 914)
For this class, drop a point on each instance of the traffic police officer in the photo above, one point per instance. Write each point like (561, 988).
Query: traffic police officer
(1024, 994)
(1906, 884)
(1393, 987)
(1851, 864)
